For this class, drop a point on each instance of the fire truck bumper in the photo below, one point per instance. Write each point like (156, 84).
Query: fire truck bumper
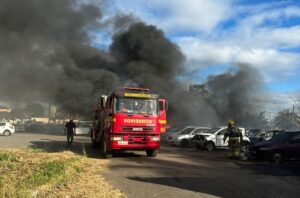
(136, 143)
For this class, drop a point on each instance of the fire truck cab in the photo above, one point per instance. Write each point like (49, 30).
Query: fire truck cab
(130, 119)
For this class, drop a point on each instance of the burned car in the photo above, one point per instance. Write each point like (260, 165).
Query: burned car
(213, 138)
(184, 137)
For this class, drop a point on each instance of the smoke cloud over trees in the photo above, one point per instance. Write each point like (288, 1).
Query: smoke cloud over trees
(46, 56)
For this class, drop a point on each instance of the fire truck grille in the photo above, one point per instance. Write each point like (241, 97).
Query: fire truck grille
(137, 140)
(137, 129)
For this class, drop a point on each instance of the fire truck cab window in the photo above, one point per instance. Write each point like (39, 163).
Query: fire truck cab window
(135, 106)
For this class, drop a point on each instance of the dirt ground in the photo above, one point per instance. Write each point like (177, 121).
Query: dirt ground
(178, 172)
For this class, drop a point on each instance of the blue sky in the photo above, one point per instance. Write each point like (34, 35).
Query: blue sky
(215, 35)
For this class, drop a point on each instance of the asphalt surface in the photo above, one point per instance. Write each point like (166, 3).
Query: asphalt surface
(178, 172)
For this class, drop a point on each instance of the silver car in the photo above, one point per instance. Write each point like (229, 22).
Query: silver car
(184, 137)
(164, 136)
(83, 128)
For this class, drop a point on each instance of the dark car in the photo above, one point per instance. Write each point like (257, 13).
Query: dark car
(263, 135)
(283, 146)
(253, 132)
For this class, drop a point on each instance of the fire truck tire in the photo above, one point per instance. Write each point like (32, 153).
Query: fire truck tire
(104, 152)
(94, 144)
(151, 153)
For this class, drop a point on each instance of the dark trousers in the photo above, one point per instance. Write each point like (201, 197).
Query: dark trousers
(70, 137)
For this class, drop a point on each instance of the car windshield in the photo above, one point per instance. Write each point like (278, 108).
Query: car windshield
(255, 133)
(136, 106)
(187, 130)
(282, 137)
(212, 131)
(176, 130)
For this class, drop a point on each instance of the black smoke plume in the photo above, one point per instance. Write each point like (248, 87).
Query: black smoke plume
(46, 56)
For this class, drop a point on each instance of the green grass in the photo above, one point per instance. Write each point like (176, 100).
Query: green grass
(6, 157)
(36, 173)
(48, 171)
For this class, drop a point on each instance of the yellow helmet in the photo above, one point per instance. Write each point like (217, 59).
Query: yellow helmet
(231, 123)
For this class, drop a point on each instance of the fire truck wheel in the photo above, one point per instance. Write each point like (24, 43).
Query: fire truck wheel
(151, 153)
(104, 152)
(94, 144)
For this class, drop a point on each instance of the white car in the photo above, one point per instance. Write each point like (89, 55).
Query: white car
(83, 128)
(213, 138)
(6, 128)
(184, 137)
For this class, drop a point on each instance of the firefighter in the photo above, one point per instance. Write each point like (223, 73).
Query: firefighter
(235, 139)
(123, 108)
(70, 129)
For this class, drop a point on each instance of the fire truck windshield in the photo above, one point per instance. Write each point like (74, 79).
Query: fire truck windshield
(136, 106)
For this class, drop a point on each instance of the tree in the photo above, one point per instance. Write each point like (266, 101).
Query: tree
(288, 120)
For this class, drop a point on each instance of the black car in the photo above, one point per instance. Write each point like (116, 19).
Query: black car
(263, 135)
(283, 146)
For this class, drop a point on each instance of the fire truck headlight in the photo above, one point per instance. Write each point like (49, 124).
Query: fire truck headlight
(116, 138)
(156, 139)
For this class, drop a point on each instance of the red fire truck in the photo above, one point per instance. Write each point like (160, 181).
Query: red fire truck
(130, 119)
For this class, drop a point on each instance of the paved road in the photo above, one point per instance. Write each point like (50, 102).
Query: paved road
(179, 172)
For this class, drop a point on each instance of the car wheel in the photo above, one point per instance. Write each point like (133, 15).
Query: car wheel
(277, 157)
(245, 146)
(184, 143)
(7, 133)
(209, 146)
(151, 153)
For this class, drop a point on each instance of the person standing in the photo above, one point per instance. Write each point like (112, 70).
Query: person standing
(70, 128)
(235, 139)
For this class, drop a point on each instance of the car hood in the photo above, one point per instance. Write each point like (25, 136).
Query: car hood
(263, 143)
(206, 134)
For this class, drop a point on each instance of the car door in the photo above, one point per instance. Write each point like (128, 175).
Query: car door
(220, 137)
(293, 150)
(2, 127)
(195, 132)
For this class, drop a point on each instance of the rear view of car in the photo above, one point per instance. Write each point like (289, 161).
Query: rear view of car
(285, 145)
(6, 129)
(83, 128)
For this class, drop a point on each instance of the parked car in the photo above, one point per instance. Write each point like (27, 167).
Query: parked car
(6, 128)
(282, 146)
(83, 128)
(264, 135)
(213, 138)
(254, 132)
(184, 137)
(164, 136)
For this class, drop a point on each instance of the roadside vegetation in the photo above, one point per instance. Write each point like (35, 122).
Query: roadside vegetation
(34, 173)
